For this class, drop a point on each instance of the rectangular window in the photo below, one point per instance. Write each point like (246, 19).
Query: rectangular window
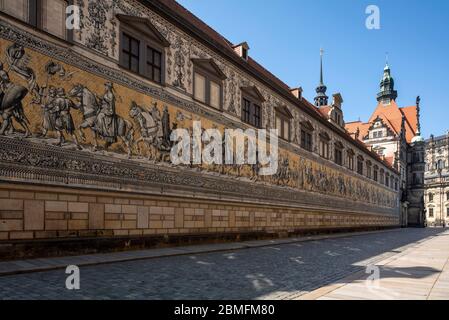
(306, 140)
(200, 87)
(246, 111)
(430, 212)
(256, 116)
(376, 178)
(131, 53)
(447, 212)
(338, 156)
(368, 172)
(251, 112)
(430, 197)
(324, 149)
(351, 162)
(16, 8)
(360, 167)
(387, 181)
(215, 94)
(154, 65)
(283, 126)
(53, 18)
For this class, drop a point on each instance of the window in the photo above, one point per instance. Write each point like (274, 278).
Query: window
(382, 176)
(368, 169)
(338, 150)
(154, 65)
(350, 156)
(447, 212)
(207, 82)
(396, 185)
(447, 196)
(283, 118)
(430, 212)
(360, 165)
(387, 180)
(130, 53)
(47, 15)
(376, 173)
(430, 197)
(306, 140)
(251, 110)
(324, 149)
(251, 113)
(53, 17)
(324, 145)
(19, 9)
(142, 48)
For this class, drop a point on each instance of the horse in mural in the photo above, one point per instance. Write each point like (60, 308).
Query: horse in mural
(154, 131)
(90, 106)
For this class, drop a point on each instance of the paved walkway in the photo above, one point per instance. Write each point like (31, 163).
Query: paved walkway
(420, 272)
(45, 264)
(284, 269)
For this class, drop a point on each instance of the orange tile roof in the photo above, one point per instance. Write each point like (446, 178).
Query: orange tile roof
(391, 114)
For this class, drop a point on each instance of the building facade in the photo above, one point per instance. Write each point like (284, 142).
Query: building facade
(87, 116)
(393, 132)
(437, 181)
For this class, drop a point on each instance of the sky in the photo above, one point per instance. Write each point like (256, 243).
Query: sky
(285, 36)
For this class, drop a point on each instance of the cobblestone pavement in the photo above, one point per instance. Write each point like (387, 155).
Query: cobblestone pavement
(280, 272)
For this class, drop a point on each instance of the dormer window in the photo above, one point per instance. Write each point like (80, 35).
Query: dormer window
(242, 50)
(208, 83)
(142, 48)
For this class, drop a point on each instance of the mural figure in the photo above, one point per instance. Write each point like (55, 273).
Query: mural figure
(11, 96)
(46, 103)
(148, 129)
(102, 120)
(63, 121)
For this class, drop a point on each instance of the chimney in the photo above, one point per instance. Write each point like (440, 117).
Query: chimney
(242, 50)
(297, 92)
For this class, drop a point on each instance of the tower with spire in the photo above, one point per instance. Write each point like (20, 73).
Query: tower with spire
(321, 98)
(387, 92)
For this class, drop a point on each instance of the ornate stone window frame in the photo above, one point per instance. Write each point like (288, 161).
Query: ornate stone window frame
(212, 73)
(148, 36)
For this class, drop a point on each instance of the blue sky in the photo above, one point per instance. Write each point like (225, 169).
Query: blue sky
(285, 37)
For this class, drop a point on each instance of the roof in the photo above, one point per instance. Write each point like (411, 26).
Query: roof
(392, 115)
(216, 39)
(324, 111)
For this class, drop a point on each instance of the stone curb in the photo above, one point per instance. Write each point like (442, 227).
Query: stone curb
(46, 264)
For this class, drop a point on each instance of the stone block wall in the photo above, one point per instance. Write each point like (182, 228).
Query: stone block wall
(34, 212)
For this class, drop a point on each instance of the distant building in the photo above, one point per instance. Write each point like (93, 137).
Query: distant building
(436, 196)
(393, 132)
